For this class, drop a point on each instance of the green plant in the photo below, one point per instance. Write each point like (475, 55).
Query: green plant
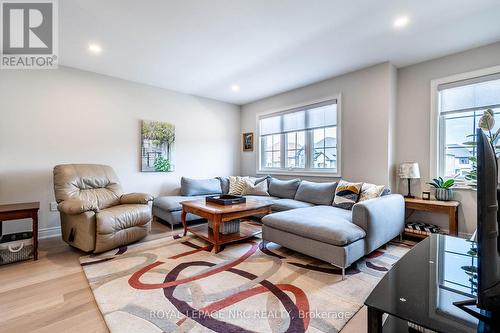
(486, 123)
(441, 183)
(161, 164)
(160, 133)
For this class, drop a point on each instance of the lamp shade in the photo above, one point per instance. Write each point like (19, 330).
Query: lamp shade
(409, 170)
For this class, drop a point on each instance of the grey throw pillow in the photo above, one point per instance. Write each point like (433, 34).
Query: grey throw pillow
(386, 191)
(191, 187)
(224, 184)
(283, 188)
(261, 179)
(316, 193)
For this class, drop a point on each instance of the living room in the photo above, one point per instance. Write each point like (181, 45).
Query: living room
(321, 129)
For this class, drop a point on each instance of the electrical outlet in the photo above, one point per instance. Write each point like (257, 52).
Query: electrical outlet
(53, 207)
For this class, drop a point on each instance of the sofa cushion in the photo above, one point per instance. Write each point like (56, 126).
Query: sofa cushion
(386, 191)
(316, 193)
(326, 224)
(224, 184)
(287, 204)
(283, 188)
(346, 194)
(237, 185)
(252, 188)
(370, 191)
(261, 179)
(262, 198)
(172, 203)
(192, 187)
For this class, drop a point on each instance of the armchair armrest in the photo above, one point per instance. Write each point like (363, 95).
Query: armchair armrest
(76, 206)
(382, 219)
(135, 198)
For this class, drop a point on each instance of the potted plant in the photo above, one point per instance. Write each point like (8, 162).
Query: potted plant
(486, 123)
(443, 188)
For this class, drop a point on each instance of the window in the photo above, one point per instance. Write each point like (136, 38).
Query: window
(460, 105)
(272, 150)
(300, 140)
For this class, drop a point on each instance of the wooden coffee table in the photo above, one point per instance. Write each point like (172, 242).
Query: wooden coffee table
(219, 214)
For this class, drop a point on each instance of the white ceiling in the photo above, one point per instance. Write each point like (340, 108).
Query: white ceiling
(203, 47)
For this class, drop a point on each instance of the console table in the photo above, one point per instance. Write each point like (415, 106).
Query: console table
(27, 210)
(434, 206)
(421, 287)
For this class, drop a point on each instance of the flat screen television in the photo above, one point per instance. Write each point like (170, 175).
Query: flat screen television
(488, 241)
(487, 236)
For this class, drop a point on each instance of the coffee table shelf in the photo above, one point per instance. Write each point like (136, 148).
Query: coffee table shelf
(247, 230)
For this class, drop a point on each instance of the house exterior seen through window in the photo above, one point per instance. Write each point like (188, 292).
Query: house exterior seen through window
(303, 139)
(461, 104)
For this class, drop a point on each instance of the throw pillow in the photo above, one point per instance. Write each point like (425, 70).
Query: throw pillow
(255, 189)
(346, 194)
(192, 187)
(261, 179)
(371, 191)
(236, 185)
(224, 184)
(284, 189)
(316, 193)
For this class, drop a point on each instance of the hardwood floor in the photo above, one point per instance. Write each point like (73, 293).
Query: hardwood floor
(52, 294)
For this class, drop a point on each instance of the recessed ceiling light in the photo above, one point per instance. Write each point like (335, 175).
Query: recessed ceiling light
(95, 48)
(235, 88)
(401, 22)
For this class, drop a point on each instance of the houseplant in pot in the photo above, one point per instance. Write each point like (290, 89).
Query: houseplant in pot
(486, 123)
(444, 191)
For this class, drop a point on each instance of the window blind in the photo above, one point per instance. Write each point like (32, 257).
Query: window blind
(305, 118)
(468, 95)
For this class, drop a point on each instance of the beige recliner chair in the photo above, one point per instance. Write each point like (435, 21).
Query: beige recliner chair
(95, 214)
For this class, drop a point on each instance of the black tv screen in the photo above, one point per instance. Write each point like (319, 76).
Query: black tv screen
(488, 242)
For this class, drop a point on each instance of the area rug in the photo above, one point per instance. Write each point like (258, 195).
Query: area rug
(178, 285)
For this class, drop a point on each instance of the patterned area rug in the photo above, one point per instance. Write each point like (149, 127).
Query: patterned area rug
(178, 285)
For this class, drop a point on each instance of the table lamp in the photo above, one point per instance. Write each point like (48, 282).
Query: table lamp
(409, 171)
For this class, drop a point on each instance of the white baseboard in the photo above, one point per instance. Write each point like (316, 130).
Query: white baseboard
(49, 232)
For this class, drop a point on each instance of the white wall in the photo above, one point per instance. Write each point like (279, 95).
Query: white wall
(367, 106)
(49, 117)
(413, 120)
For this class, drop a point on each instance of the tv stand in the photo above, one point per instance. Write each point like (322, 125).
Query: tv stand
(430, 287)
(491, 320)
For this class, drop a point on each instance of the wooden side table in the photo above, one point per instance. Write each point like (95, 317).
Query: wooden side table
(27, 210)
(434, 206)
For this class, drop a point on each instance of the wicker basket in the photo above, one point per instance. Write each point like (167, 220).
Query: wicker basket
(227, 228)
(16, 251)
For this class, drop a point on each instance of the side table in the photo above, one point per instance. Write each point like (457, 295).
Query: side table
(27, 210)
(434, 206)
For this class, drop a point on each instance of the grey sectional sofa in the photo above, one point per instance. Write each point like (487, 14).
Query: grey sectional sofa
(304, 219)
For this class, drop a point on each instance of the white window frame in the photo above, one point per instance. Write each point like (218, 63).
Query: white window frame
(437, 134)
(301, 171)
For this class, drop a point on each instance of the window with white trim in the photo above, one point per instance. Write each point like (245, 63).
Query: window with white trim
(301, 140)
(460, 105)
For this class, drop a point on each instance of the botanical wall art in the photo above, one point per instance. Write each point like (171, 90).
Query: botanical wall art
(157, 146)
